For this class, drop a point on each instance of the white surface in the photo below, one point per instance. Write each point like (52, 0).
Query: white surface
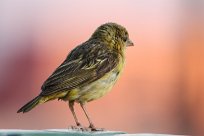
(144, 134)
(69, 130)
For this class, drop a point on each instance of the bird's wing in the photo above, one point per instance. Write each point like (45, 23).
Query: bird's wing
(81, 67)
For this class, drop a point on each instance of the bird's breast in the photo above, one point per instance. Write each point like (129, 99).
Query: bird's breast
(99, 87)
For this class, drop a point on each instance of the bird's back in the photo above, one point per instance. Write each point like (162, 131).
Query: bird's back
(86, 68)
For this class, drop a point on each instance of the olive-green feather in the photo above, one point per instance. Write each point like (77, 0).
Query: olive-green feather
(81, 67)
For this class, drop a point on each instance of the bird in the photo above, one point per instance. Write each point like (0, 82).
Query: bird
(89, 71)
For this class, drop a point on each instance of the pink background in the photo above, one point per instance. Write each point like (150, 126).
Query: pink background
(161, 89)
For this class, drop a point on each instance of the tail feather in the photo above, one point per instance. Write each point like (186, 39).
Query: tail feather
(30, 105)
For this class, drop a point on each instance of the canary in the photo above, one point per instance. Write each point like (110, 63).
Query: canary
(89, 71)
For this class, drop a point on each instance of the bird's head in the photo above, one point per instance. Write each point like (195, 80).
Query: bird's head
(114, 35)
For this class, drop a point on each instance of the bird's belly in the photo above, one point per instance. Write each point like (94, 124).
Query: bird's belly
(96, 89)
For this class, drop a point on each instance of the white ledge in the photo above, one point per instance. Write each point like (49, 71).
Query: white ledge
(65, 132)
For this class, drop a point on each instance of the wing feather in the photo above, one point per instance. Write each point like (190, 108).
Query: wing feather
(80, 68)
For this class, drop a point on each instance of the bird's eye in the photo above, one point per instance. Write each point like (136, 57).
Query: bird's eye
(125, 39)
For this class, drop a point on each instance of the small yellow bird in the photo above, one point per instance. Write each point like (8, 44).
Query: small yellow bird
(89, 71)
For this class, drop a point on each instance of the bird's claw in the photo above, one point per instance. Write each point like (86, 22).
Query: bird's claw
(97, 129)
(88, 129)
(75, 127)
(93, 128)
(80, 128)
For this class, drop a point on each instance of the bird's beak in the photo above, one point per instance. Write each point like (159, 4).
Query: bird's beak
(129, 43)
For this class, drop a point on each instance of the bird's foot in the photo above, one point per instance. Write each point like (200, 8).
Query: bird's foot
(88, 129)
(77, 127)
(97, 129)
(93, 128)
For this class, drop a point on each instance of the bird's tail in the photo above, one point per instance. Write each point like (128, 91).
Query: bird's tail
(30, 105)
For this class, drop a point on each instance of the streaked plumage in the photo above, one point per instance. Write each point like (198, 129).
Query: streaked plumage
(89, 71)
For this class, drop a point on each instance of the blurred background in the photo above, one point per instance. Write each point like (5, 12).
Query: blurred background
(161, 89)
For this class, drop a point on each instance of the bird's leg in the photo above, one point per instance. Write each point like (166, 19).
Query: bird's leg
(93, 128)
(71, 107)
(86, 113)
